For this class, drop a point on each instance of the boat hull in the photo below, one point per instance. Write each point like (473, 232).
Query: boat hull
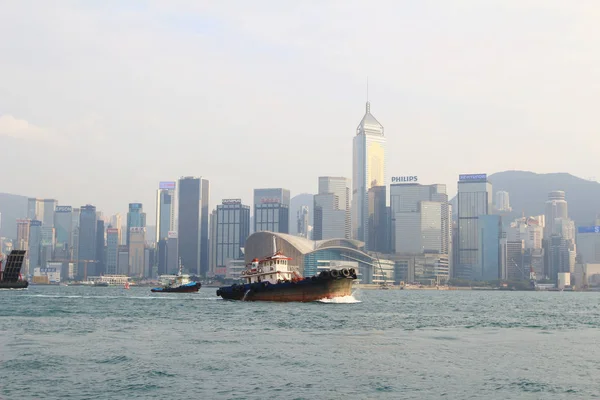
(179, 289)
(305, 290)
(14, 285)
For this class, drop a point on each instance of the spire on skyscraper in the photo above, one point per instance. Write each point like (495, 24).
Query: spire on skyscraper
(368, 124)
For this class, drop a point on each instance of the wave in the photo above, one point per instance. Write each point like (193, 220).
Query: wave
(341, 300)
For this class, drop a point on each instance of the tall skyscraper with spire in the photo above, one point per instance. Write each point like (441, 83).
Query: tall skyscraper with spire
(368, 170)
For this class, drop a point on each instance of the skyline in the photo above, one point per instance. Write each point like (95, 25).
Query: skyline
(142, 91)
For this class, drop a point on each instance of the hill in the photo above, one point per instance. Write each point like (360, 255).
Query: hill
(12, 207)
(529, 191)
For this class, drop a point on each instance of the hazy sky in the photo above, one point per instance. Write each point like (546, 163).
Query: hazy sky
(101, 100)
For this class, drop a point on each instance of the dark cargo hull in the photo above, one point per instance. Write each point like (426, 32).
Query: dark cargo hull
(303, 291)
(179, 289)
(14, 285)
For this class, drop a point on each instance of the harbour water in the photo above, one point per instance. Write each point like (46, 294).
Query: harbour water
(111, 343)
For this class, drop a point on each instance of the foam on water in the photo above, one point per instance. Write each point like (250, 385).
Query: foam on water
(341, 300)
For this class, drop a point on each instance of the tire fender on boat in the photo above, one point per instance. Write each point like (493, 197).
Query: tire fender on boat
(345, 272)
(334, 273)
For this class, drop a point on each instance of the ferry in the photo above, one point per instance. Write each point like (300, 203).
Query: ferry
(273, 279)
(10, 277)
(179, 283)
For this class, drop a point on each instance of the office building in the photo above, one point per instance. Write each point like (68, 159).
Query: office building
(230, 227)
(75, 235)
(165, 210)
(35, 209)
(49, 207)
(112, 250)
(23, 227)
(302, 221)
(420, 217)
(87, 241)
(271, 210)
(425, 269)
(137, 252)
(162, 256)
(474, 200)
(136, 218)
(194, 217)
(561, 256)
(379, 237)
(503, 202)
(172, 253)
(117, 222)
(515, 263)
(527, 229)
(588, 244)
(490, 265)
(368, 170)
(47, 245)
(63, 225)
(34, 244)
(332, 209)
(123, 261)
(556, 207)
(100, 267)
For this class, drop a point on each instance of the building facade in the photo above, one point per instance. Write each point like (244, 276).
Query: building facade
(271, 210)
(113, 236)
(588, 244)
(380, 220)
(87, 241)
(332, 204)
(368, 170)
(474, 199)
(165, 210)
(136, 218)
(137, 252)
(193, 229)
(556, 207)
(230, 227)
(303, 224)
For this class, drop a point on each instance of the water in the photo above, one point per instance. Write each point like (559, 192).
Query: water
(111, 343)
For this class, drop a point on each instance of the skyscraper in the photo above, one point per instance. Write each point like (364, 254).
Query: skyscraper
(117, 223)
(271, 210)
(63, 225)
(112, 250)
(474, 199)
(193, 224)
(502, 202)
(136, 218)
(35, 243)
(165, 209)
(332, 209)
(379, 220)
(302, 222)
(368, 169)
(230, 224)
(100, 268)
(556, 207)
(35, 209)
(87, 241)
(137, 251)
(48, 215)
(75, 234)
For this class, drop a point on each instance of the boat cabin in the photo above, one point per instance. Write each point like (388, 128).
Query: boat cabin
(272, 269)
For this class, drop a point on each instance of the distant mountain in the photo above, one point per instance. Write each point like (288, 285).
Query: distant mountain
(12, 207)
(528, 193)
(296, 203)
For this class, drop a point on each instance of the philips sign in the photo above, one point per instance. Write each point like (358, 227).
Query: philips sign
(63, 209)
(404, 179)
(472, 177)
(588, 229)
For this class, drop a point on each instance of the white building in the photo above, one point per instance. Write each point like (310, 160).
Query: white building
(368, 169)
(503, 201)
(556, 207)
(529, 230)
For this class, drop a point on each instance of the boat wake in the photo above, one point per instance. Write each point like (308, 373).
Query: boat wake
(341, 300)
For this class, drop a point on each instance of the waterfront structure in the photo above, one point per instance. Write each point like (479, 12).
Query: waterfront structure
(230, 226)
(271, 210)
(588, 244)
(556, 207)
(502, 202)
(586, 275)
(332, 209)
(474, 200)
(136, 218)
(302, 222)
(113, 236)
(425, 268)
(165, 209)
(87, 241)
(308, 255)
(137, 252)
(193, 221)
(368, 170)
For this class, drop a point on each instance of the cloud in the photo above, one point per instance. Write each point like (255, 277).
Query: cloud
(21, 129)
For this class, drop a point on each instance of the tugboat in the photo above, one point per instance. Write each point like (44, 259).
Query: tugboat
(178, 284)
(273, 279)
(11, 278)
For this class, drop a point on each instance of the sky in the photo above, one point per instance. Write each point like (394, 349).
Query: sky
(101, 100)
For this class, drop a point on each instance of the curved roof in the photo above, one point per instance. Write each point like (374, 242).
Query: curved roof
(306, 246)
